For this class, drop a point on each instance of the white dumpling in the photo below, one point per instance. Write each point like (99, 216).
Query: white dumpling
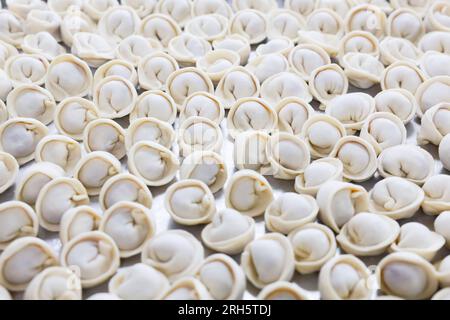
(437, 194)
(202, 7)
(154, 69)
(398, 49)
(327, 41)
(327, 82)
(359, 42)
(96, 8)
(23, 259)
(251, 24)
(11, 28)
(325, 20)
(27, 69)
(362, 69)
(155, 104)
(303, 7)
(418, 5)
(42, 43)
(435, 41)
(187, 48)
(283, 85)
(93, 48)
(344, 277)
(285, 23)
(216, 63)
(399, 102)
(55, 198)
(406, 161)
(149, 129)
(199, 134)
(178, 10)
(339, 202)
(281, 45)
(202, 104)
(431, 92)
(187, 289)
(60, 150)
(267, 65)
(62, 6)
(314, 244)
(405, 23)
(6, 51)
(74, 21)
(366, 17)
(94, 254)
(268, 259)
(304, 58)
(105, 135)
(442, 226)
(78, 220)
(292, 114)
(9, 169)
(383, 130)
(17, 220)
(234, 42)
(229, 232)
(338, 6)
(175, 253)
(118, 22)
(23, 7)
(437, 16)
(135, 47)
(209, 27)
(160, 27)
(444, 151)
(434, 124)
(402, 75)
(283, 290)
(435, 64)
(116, 67)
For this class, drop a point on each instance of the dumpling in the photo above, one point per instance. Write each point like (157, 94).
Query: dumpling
(339, 202)
(11, 29)
(216, 63)
(199, 134)
(285, 23)
(281, 45)
(260, 5)
(124, 187)
(443, 270)
(363, 70)
(327, 41)
(437, 194)
(63, 6)
(360, 42)
(105, 135)
(396, 198)
(368, 234)
(236, 43)
(95, 254)
(313, 131)
(304, 58)
(155, 104)
(398, 49)
(26, 130)
(317, 173)
(6, 51)
(283, 290)
(9, 168)
(96, 8)
(290, 211)
(435, 41)
(23, 259)
(160, 27)
(72, 115)
(17, 220)
(119, 22)
(55, 198)
(249, 114)
(187, 49)
(419, 5)
(187, 289)
(292, 114)
(135, 47)
(149, 129)
(358, 157)
(303, 7)
(74, 21)
(202, 104)
(154, 69)
(399, 102)
(153, 163)
(223, 277)
(60, 150)
(251, 24)
(115, 97)
(130, 225)
(288, 155)
(93, 48)
(268, 259)
(23, 7)
(405, 23)
(345, 277)
(236, 83)
(6, 85)
(406, 275)
(314, 244)
(78, 220)
(34, 179)
(402, 75)
(248, 192)
(443, 294)
(283, 85)
(60, 85)
(442, 224)
(138, 282)
(184, 82)
(438, 17)
(27, 69)
(351, 109)
(202, 7)
(42, 43)
(31, 101)
(444, 152)
(54, 283)
(209, 27)
(178, 10)
(406, 161)
(338, 6)
(359, 16)
(417, 238)
(116, 67)
(435, 64)
(250, 151)
(327, 82)
(326, 21)
(267, 65)
(190, 202)
(229, 232)
(434, 124)
(431, 92)
(175, 253)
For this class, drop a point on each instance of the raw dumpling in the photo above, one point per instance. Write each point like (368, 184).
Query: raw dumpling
(292, 114)
(236, 43)
(438, 16)
(74, 21)
(360, 42)
(105, 135)
(118, 22)
(327, 82)
(326, 21)
(283, 85)
(155, 104)
(209, 27)
(302, 7)
(442, 226)
(339, 202)
(76, 221)
(202, 104)
(251, 24)
(130, 225)
(27, 69)
(362, 69)
(96, 8)
(149, 129)
(187, 49)
(281, 45)
(187, 289)
(92, 48)
(405, 23)
(399, 102)
(154, 69)
(285, 23)
(267, 65)
(6, 51)
(435, 41)
(435, 64)
(304, 58)
(229, 232)
(17, 220)
(11, 29)
(160, 27)
(431, 92)
(434, 124)
(283, 290)
(42, 43)
(248, 192)
(398, 49)
(135, 47)
(444, 152)
(9, 168)
(60, 150)
(268, 259)
(216, 63)
(437, 194)
(116, 67)
(366, 17)
(402, 75)
(199, 134)
(202, 7)
(178, 10)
